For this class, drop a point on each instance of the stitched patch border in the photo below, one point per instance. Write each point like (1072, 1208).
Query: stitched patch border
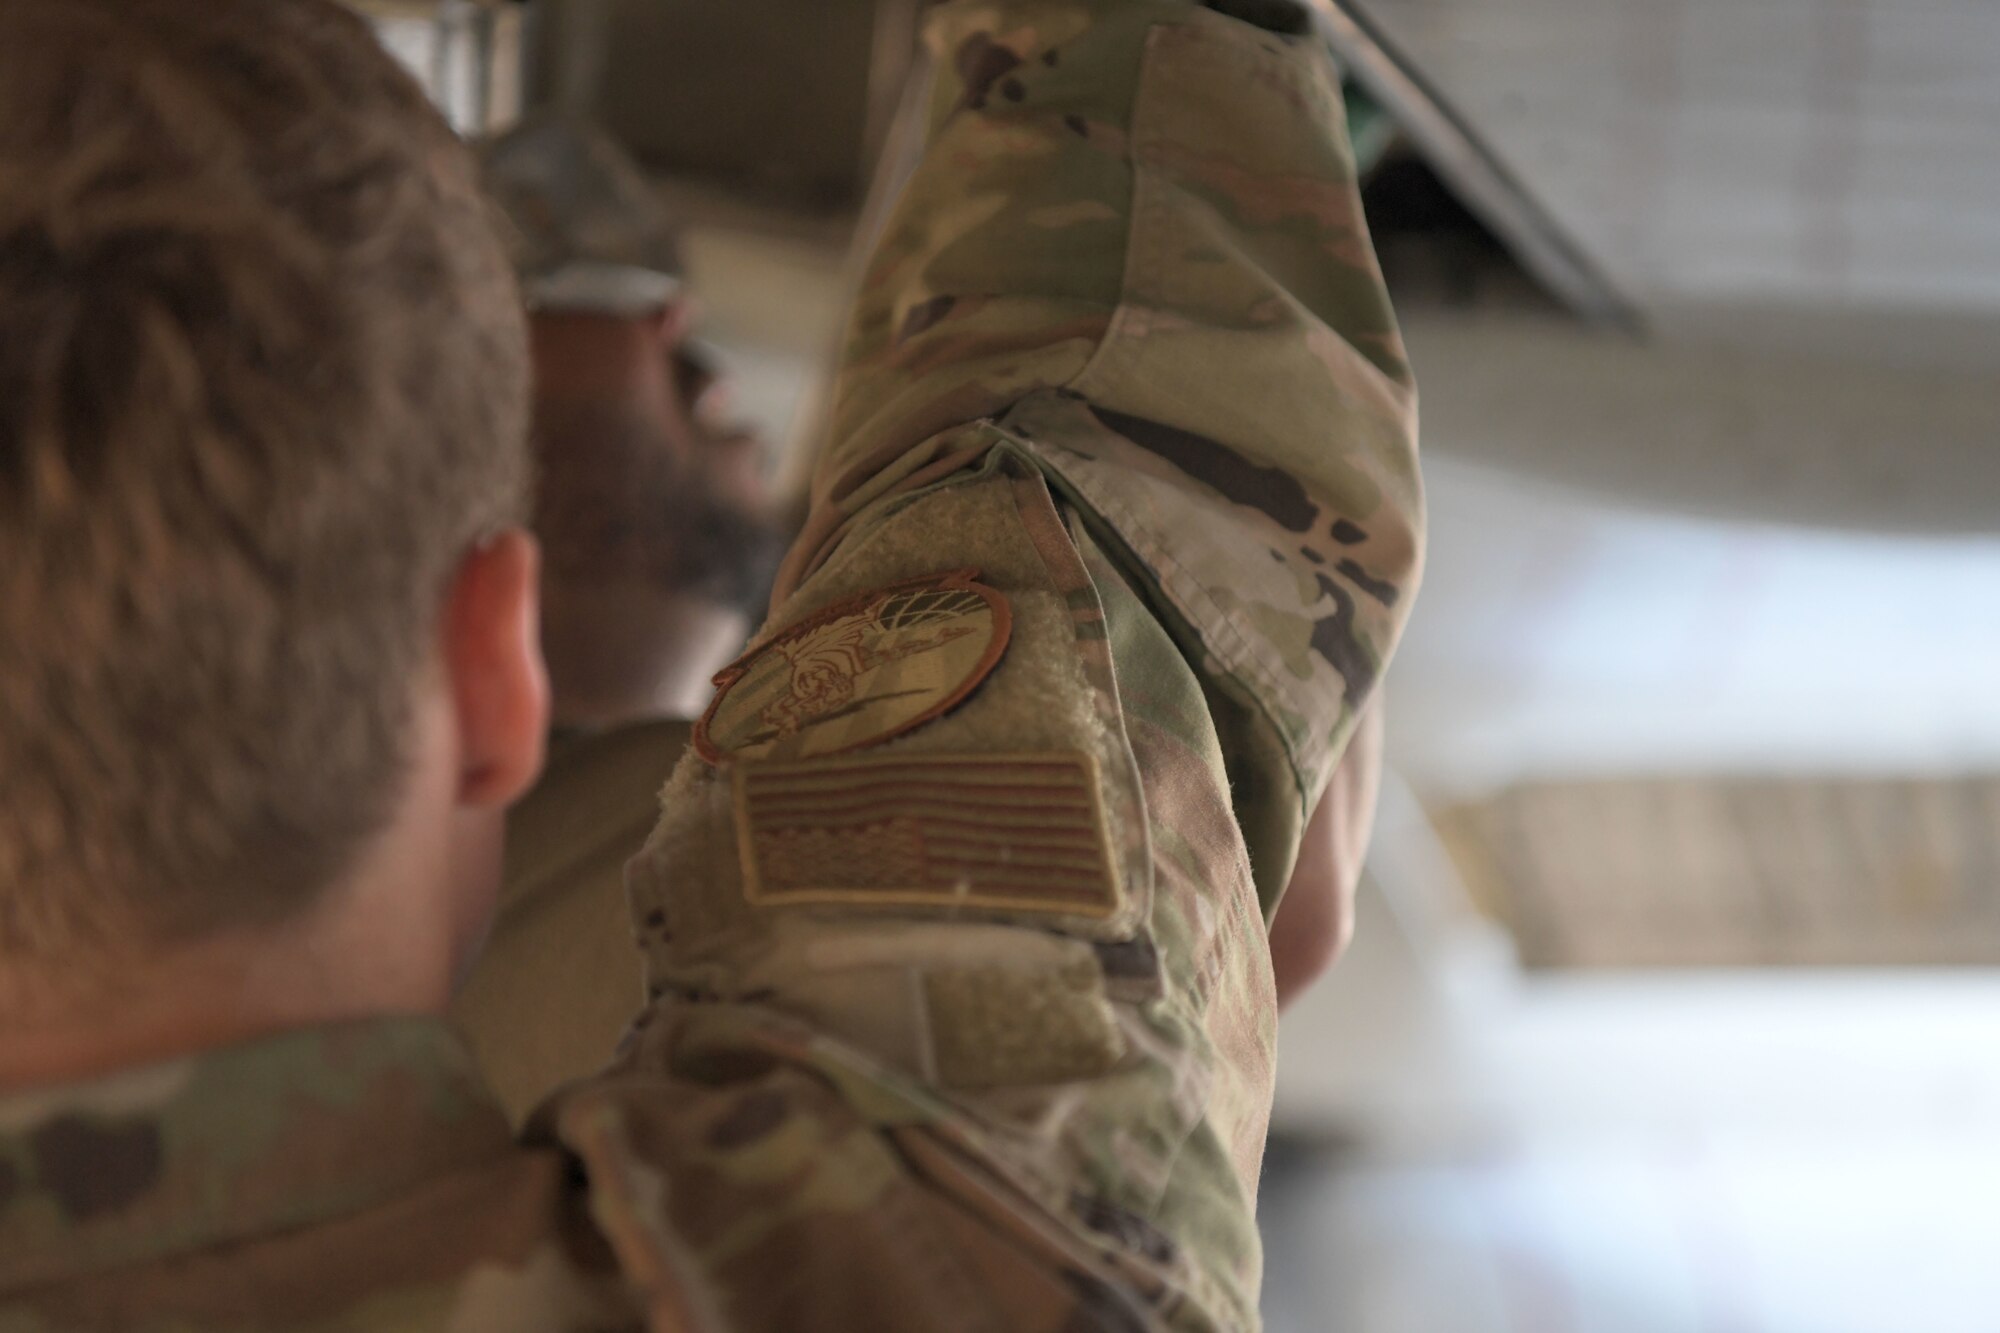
(1008, 832)
(864, 670)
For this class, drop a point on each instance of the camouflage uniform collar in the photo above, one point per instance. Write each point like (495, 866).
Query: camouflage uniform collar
(248, 1140)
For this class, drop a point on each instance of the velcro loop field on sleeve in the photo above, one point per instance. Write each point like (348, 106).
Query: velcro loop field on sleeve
(1010, 1027)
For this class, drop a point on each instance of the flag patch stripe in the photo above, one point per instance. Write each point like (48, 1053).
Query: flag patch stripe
(935, 813)
(862, 803)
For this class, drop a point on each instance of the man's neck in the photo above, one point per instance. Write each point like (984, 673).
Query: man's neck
(132, 1023)
(349, 958)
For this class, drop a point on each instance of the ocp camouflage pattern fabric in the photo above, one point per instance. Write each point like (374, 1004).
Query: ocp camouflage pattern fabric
(355, 1177)
(1136, 244)
(1123, 351)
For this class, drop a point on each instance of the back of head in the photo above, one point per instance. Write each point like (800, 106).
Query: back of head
(262, 383)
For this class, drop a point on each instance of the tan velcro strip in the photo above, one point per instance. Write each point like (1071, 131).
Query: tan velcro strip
(1000, 1027)
(1005, 832)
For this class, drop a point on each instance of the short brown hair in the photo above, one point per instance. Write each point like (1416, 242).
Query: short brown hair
(262, 383)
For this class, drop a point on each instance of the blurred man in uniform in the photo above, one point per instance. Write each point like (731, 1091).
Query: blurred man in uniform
(652, 507)
(658, 542)
(961, 1008)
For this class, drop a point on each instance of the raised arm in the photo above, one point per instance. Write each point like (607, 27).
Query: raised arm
(956, 921)
(1134, 242)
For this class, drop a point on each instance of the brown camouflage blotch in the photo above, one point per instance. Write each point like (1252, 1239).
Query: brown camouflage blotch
(96, 1166)
(1333, 638)
(1269, 490)
(1284, 17)
(1381, 590)
(924, 316)
(1125, 1226)
(1128, 960)
(981, 63)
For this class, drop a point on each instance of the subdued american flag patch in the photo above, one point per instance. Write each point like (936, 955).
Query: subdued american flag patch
(1011, 832)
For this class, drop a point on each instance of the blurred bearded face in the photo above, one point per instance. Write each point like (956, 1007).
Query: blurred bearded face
(649, 512)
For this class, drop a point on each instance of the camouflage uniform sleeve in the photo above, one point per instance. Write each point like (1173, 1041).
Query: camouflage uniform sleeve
(963, 1007)
(1134, 241)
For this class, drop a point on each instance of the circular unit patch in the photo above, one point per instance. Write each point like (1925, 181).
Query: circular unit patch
(860, 672)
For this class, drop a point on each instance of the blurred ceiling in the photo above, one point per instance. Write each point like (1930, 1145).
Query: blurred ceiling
(1739, 167)
(1794, 201)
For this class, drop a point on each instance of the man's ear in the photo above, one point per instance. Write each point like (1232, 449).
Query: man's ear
(499, 686)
